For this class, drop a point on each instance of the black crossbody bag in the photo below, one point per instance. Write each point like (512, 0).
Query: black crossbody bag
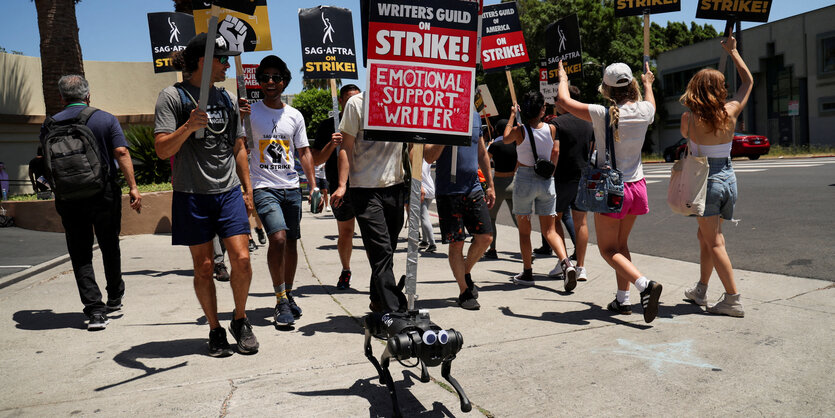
(543, 168)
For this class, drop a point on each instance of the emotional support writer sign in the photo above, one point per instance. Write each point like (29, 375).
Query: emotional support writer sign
(421, 70)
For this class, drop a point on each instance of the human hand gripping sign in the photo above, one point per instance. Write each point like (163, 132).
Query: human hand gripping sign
(234, 30)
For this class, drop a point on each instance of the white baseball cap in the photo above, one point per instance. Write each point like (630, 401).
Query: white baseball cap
(617, 75)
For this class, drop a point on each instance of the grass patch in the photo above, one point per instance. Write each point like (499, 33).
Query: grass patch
(143, 188)
(777, 151)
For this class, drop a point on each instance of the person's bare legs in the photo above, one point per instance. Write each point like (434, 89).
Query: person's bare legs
(710, 229)
(237, 246)
(523, 222)
(546, 224)
(202, 256)
(705, 259)
(477, 248)
(612, 237)
(345, 242)
(275, 256)
(581, 230)
(457, 264)
(291, 259)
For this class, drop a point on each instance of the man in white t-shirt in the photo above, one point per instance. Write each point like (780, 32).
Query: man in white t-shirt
(278, 132)
(376, 193)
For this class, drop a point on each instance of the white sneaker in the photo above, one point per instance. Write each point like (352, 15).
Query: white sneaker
(581, 274)
(569, 275)
(697, 293)
(556, 271)
(728, 305)
(328, 208)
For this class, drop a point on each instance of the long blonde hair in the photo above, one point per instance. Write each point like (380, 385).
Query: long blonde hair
(616, 95)
(705, 97)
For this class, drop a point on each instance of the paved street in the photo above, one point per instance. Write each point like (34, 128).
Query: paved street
(528, 352)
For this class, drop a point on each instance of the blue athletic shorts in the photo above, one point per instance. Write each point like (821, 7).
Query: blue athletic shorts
(197, 218)
(280, 210)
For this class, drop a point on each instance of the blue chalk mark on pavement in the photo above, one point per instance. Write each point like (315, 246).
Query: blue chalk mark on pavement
(659, 355)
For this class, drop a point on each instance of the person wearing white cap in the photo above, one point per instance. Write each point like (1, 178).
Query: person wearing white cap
(630, 117)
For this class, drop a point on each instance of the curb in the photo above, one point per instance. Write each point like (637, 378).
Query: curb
(34, 270)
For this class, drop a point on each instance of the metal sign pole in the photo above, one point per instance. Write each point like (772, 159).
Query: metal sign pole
(414, 225)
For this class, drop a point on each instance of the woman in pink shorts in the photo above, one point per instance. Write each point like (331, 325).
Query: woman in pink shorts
(630, 116)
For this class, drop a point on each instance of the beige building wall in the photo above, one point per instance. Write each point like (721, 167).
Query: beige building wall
(128, 90)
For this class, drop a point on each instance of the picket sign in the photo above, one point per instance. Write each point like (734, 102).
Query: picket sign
(239, 76)
(723, 59)
(208, 55)
(513, 97)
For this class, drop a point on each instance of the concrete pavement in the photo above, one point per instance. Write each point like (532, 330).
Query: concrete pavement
(528, 352)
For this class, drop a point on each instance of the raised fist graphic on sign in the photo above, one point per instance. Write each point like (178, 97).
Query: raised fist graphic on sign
(234, 30)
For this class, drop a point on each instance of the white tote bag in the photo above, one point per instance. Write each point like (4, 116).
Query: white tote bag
(688, 185)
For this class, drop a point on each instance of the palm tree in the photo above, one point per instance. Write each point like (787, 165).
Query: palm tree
(60, 49)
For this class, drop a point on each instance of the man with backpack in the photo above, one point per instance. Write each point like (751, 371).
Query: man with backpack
(208, 176)
(82, 146)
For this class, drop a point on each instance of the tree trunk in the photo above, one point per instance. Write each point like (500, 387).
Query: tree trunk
(60, 49)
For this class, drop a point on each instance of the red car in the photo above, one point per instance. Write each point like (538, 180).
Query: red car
(744, 145)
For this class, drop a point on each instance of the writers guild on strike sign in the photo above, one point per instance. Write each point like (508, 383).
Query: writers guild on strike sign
(419, 99)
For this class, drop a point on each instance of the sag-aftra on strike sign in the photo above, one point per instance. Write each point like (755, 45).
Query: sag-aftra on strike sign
(638, 7)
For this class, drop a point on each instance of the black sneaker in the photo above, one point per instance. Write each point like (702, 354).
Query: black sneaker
(467, 301)
(491, 254)
(218, 345)
(616, 307)
(649, 300)
(470, 285)
(98, 321)
(344, 280)
(221, 274)
(297, 312)
(283, 317)
(252, 246)
(431, 249)
(262, 238)
(422, 245)
(544, 250)
(114, 305)
(241, 330)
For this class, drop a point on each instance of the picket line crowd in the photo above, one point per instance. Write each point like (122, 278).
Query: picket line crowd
(219, 179)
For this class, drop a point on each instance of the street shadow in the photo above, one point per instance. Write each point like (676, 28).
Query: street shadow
(436, 254)
(341, 324)
(334, 247)
(379, 401)
(436, 303)
(130, 358)
(157, 273)
(685, 307)
(581, 317)
(46, 319)
(511, 286)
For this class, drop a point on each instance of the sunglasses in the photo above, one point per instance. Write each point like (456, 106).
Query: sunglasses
(265, 78)
(222, 59)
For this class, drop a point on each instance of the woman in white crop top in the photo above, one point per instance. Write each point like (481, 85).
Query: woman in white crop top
(630, 117)
(533, 194)
(709, 125)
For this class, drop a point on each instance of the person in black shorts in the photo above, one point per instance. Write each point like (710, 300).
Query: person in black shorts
(324, 150)
(464, 203)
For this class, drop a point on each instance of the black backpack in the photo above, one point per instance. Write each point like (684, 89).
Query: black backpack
(72, 157)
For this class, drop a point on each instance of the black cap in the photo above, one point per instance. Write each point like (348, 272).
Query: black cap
(197, 47)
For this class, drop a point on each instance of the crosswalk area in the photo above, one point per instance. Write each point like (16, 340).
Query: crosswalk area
(657, 173)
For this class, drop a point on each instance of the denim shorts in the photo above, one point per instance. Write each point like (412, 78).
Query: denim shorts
(280, 210)
(197, 218)
(721, 189)
(533, 194)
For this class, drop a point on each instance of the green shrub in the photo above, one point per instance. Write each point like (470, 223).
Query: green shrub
(147, 167)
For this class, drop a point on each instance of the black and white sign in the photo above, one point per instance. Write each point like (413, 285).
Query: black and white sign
(170, 32)
(328, 50)
(562, 43)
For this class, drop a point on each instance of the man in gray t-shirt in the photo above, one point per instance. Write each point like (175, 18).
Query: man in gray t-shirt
(208, 199)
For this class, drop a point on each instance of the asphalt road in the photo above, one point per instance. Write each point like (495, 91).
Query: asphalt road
(785, 208)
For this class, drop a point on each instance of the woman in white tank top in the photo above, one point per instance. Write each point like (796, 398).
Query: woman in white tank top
(709, 125)
(533, 194)
(630, 117)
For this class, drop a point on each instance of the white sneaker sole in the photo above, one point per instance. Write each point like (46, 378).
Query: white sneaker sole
(570, 281)
(517, 280)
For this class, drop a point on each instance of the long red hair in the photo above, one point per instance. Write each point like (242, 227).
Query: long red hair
(705, 97)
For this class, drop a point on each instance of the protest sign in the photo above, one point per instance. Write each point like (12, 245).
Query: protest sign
(638, 7)
(327, 35)
(548, 90)
(170, 32)
(421, 71)
(563, 44)
(738, 10)
(243, 31)
(489, 105)
(253, 87)
(502, 41)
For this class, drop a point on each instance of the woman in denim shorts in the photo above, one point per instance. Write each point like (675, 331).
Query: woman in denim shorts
(533, 194)
(709, 126)
(630, 116)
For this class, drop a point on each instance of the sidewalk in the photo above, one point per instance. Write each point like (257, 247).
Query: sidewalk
(528, 352)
